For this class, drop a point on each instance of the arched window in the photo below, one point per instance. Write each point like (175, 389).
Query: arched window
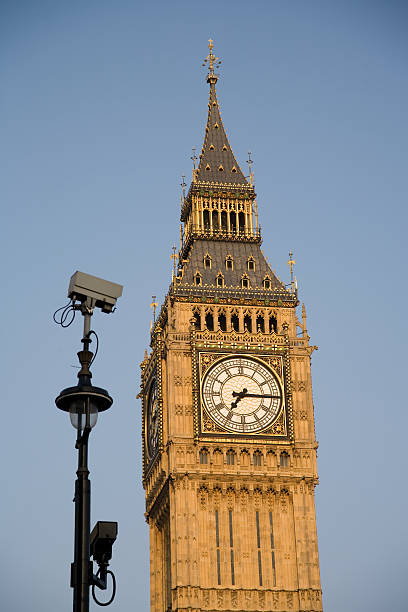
(204, 456)
(284, 459)
(271, 459)
(233, 222)
(229, 262)
(260, 324)
(248, 323)
(241, 221)
(197, 319)
(230, 457)
(224, 222)
(209, 321)
(235, 321)
(215, 219)
(273, 325)
(258, 458)
(206, 216)
(266, 282)
(217, 457)
(197, 279)
(244, 281)
(222, 321)
(220, 280)
(207, 261)
(251, 264)
(244, 459)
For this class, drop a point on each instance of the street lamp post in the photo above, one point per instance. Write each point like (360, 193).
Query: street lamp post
(84, 402)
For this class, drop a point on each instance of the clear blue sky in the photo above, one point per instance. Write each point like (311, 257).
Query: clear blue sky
(101, 103)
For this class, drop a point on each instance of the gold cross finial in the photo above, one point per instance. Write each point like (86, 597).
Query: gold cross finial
(212, 62)
(154, 305)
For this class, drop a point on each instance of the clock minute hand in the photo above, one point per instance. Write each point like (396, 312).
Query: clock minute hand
(261, 395)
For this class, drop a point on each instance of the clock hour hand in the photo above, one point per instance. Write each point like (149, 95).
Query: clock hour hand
(239, 397)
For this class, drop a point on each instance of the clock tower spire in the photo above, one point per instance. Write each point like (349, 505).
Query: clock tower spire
(229, 449)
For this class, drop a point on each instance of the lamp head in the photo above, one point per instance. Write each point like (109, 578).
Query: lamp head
(84, 402)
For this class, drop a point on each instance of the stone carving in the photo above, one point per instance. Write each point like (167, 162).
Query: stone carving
(177, 381)
(257, 498)
(203, 496)
(230, 498)
(178, 409)
(244, 495)
(209, 425)
(206, 597)
(299, 385)
(289, 600)
(270, 497)
(217, 494)
(261, 599)
(234, 599)
(220, 598)
(284, 502)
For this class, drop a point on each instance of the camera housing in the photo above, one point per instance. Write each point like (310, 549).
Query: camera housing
(96, 291)
(103, 537)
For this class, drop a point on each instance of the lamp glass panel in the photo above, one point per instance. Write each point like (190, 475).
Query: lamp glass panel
(77, 414)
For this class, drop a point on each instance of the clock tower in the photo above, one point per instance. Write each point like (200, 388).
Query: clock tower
(229, 448)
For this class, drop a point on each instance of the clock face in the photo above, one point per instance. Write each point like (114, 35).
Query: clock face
(241, 394)
(152, 422)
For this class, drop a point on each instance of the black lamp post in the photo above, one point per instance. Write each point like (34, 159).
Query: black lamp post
(84, 402)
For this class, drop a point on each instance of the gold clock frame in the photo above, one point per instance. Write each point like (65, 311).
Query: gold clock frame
(281, 428)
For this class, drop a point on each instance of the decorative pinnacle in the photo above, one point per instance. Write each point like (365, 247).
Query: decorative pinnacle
(212, 61)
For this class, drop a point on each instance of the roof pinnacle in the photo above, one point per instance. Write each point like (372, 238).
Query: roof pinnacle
(212, 61)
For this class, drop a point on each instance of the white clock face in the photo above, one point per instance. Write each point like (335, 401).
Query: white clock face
(241, 394)
(152, 420)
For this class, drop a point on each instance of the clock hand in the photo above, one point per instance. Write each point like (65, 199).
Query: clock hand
(261, 395)
(239, 397)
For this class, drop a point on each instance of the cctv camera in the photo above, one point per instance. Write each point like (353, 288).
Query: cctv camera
(98, 292)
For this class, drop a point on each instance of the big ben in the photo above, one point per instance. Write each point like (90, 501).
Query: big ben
(229, 448)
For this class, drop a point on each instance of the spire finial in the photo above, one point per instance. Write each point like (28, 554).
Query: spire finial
(173, 256)
(212, 62)
(154, 305)
(291, 263)
(304, 328)
(183, 185)
(250, 162)
(194, 158)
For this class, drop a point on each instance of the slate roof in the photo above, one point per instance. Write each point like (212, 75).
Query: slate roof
(218, 251)
(216, 152)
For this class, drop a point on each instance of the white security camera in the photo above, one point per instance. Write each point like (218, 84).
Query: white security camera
(94, 291)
